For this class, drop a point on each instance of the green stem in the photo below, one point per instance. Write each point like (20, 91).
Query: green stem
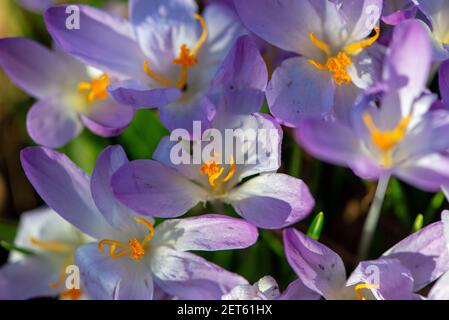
(372, 219)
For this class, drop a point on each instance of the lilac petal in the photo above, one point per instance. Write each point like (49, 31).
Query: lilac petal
(105, 278)
(108, 118)
(424, 253)
(108, 162)
(298, 291)
(224, 28)
(150, 188)
(428, 173)
(298, 89)
(294, 21)
(394, 281)
(52, 124)
(410, 46)
(242, 78)
(272, 201)
(361, 17)
(320, 268)
(103, 40)
(28, 278)
(65, 188)
(397, 17)
(440, 290)
(181, 115)
(207, 232)
(132, 93)
(187, 276)
(39, 74)
(443, 78)
(335, 143)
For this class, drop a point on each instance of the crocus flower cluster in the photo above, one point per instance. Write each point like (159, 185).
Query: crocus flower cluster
(349, 94)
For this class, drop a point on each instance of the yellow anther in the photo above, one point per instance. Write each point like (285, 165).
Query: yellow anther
(356, 47)
(51, 245)
(71, 294)
(215, 171)
(320, 44)
(361, 286)
(385, 141)
(338, 64)
(187, 58)
(135, 249)
(166, 82)
(96, 89)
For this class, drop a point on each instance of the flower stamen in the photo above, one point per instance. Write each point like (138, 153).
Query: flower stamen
(215, 171)
(385, 141)
(96, 89)
(135, 249)
(338, 64)
(187, 58)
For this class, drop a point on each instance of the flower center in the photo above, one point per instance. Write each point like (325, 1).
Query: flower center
(71, 294)
(338, 64)
(187, 58)
(59, 247)
(361, 286)
(385, 141)
(96, 89)
(215, 171)
(134, 248)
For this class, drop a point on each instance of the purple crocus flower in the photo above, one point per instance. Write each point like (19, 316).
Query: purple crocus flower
(409, 266)
(267, 289)
(436, 11)
(132, 258)
(330, 37)
(69, 94)
(167, 53)
(393, 132)
(53, 243)
(269, 200)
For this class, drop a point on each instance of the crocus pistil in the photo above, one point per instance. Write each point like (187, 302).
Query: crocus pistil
(187, 58)
(337, 64)
(63, 248)
(96, 89)
(214, 171)
(135, 249)
(385, 141)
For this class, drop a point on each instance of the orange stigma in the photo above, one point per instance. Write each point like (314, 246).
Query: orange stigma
(187, 58)
(135, 249)
(385, 141)
(338, 64)
(361, 286)
(96, 89)
(215, 171)
(71, 294)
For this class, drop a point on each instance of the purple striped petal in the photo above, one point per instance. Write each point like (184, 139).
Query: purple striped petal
(51, 123)
(272, 201)
(424, 253)
(103, 40)
(150, 188)
(320, 268)
(298, 89)
(187, 276)
(65, 188)
(39, 73)
(207, 232)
